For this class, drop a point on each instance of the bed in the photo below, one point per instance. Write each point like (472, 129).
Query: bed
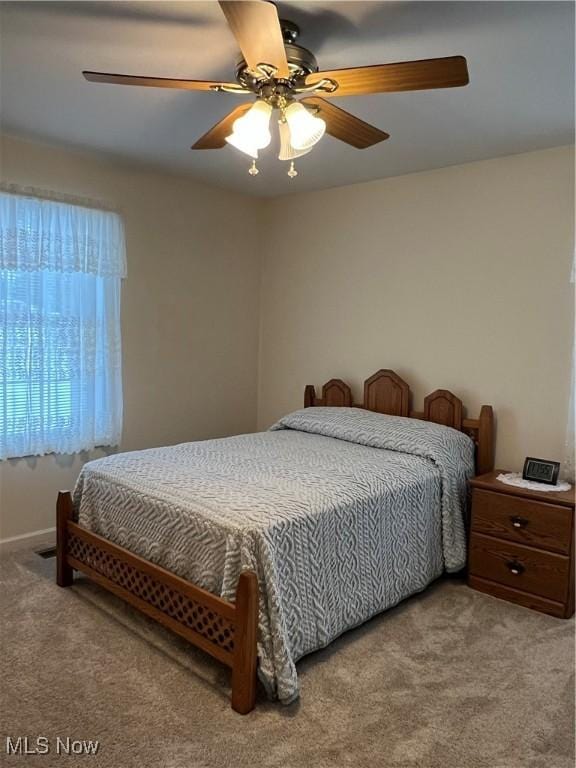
(262, 548)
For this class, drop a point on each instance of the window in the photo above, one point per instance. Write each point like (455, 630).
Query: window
(60, 355)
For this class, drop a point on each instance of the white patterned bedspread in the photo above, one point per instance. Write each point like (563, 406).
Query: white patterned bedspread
(341, 512)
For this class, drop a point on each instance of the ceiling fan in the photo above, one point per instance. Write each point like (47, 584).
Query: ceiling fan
(278, 71)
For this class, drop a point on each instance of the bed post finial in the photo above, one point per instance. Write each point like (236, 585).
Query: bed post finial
(64, 513)
(485, 457)
(309, 396)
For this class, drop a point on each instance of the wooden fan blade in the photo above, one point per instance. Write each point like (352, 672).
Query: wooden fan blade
(154, 82)
(344, 126)
(256, 27)
(216, 136)
(450, 72)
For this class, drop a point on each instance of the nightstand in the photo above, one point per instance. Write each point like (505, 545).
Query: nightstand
(522, 545)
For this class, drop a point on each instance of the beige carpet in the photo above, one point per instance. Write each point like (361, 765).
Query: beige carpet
(449, 679)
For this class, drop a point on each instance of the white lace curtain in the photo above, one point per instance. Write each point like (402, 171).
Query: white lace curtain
(61, 267)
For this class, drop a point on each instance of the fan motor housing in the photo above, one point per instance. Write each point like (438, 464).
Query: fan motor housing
(301, 63)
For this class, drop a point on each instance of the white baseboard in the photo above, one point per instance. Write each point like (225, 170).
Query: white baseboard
(27, 537)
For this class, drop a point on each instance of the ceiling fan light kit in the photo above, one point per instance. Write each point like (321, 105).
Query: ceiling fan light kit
(241, 144)
(277, 71)
(305, 129)
(287, 150)
(251, 132)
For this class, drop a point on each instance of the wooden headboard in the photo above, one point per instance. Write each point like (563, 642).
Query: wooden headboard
(386, 392)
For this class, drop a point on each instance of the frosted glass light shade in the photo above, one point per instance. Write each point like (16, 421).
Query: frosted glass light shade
(305, 129)
(287, 151)
(241, 143)
(251, 132)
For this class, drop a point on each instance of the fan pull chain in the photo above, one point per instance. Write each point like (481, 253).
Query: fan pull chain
(292, 171)
(253, 171)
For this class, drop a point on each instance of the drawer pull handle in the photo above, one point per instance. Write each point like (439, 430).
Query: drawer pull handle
(515, 567)
(518, 522)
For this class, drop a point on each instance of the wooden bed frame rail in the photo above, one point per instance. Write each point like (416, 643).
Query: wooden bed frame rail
(225, 630)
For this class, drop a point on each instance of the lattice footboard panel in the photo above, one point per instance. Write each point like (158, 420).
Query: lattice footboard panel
(201, 619)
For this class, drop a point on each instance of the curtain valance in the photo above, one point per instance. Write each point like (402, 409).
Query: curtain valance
(38, 234)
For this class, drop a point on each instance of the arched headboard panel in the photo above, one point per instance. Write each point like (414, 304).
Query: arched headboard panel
(443, 407)
(336, 393)
(386, 392)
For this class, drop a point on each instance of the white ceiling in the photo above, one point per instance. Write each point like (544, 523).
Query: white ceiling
(520, 98)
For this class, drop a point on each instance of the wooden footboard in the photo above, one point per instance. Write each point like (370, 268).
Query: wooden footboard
(227, 631)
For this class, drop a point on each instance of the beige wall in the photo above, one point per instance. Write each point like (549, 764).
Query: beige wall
(456, 278)
(189, 314)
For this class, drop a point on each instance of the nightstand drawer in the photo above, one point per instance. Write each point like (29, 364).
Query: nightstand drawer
(534, 523)
(520, 567)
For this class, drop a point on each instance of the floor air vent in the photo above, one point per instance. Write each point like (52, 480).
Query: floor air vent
(47, 553)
